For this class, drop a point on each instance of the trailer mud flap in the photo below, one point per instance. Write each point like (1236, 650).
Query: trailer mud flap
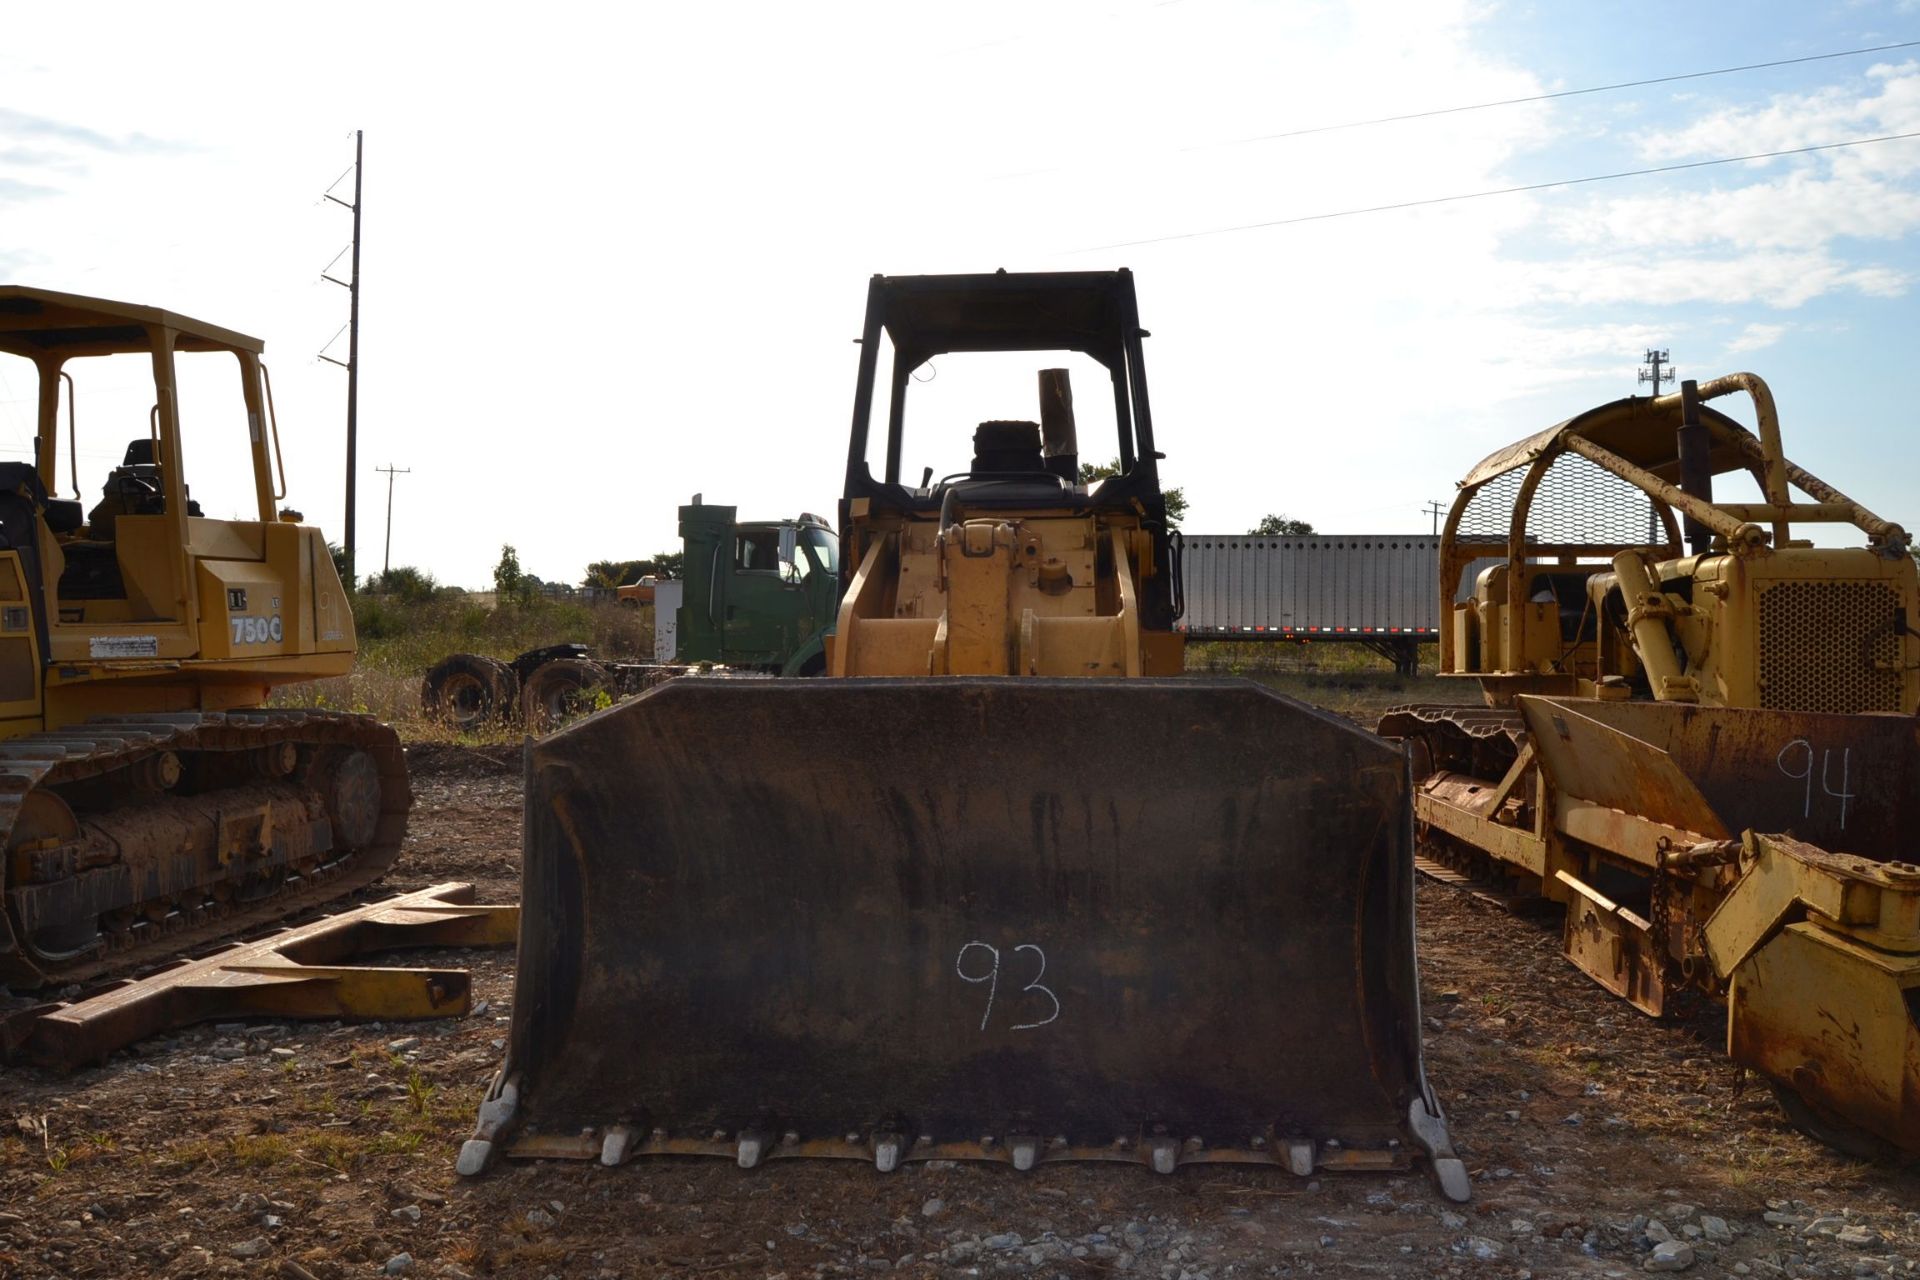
(1025, 920)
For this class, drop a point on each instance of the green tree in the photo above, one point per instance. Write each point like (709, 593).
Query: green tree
(339, 554)
(405, 583)
(608, 574)
(623, 573)
(510, 583)
(1280, 526)
(1176, 499)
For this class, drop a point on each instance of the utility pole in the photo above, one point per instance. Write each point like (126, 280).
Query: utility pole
(352, 286)
(386, 559)
(1653, 372)
(1436, 510)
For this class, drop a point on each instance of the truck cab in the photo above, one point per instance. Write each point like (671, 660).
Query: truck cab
(638, 592)
(759, 595)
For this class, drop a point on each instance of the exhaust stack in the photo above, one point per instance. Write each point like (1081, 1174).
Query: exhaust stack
(1058, 442)
(1696, 466)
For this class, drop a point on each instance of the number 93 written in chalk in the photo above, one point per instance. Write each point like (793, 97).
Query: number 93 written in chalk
(979, 963)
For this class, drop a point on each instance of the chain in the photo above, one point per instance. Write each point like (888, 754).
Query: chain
(1659, 908)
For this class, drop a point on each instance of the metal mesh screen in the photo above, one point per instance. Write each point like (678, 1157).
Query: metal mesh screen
(1829, 646)
(1576, 502)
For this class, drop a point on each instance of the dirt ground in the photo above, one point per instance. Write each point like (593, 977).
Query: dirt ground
(294, 1150)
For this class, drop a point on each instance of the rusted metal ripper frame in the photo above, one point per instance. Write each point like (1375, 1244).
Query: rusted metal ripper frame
(296, 973)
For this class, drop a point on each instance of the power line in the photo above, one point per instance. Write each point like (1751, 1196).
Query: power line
(1502, 102)
(1549, 97)
(1500, 191)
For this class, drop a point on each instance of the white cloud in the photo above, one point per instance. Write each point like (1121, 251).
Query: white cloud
(1756, 337)
(1771, 278)
(1835, 113)
(1777, 233)
(1804, 209)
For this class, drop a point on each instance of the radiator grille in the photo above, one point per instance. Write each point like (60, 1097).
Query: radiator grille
(1829, 646)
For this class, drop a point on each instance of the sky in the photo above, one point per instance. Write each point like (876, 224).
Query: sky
(616, 255)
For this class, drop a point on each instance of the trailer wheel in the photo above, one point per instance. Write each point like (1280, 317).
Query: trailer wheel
(468, 691)
(561, 690)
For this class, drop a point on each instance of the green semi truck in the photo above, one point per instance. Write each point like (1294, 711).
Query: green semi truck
(757, 596)
(760, 596)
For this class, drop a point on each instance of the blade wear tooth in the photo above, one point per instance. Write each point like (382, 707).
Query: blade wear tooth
(752, 1147)
(1451, 1174)
(475, 1155)
(615, 1146)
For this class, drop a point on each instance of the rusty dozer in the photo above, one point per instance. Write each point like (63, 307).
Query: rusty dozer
(1003, 885)
(1700, 738)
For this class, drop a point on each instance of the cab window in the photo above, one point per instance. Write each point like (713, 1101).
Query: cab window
(824, 548)
(801, 567)
(756, 550)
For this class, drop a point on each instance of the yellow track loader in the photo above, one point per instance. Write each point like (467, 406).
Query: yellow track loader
(1699, 737)
(148, 799)
(1003, 885)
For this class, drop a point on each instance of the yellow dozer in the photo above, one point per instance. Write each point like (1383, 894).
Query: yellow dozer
(1003, 884)
(149, 802)
(1699, 736)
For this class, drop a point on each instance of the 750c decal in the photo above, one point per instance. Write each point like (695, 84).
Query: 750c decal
(247, 630)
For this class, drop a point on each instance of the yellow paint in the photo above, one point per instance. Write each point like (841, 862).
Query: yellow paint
(1829, 1017)
(211, 614)
(1765, 619)
(1820, 950)
(1036, 593)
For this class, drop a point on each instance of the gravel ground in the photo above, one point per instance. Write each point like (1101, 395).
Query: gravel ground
(1600, 1142)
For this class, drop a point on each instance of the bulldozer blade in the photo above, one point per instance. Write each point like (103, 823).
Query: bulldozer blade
(1846, 783)
(1597, 762)
(1024, 920)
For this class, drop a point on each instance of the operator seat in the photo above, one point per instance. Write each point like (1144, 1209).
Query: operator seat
(1007, 446)
(1007, 466)
(134, 488)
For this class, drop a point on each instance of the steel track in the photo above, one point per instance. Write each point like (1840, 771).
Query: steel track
(74, 753)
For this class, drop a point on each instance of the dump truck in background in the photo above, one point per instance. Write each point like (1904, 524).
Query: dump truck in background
(755, 597)
(1699, 737)
(1001, 887)
(150, 801)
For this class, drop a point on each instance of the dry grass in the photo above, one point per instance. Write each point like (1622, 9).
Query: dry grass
(261, 1150)
(1342, 678)
(401, 640)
